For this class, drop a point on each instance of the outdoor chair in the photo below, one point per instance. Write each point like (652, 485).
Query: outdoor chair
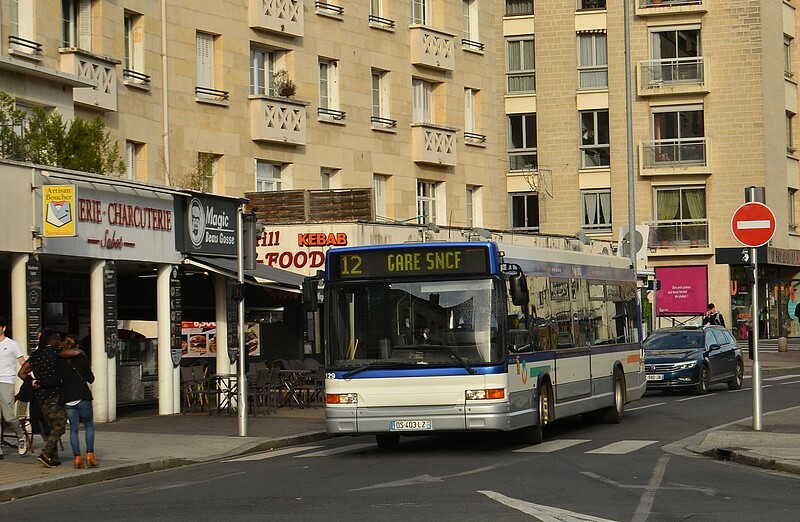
(258, 390)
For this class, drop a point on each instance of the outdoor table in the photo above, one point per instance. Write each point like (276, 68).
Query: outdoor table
(291, 381)
(227, 384)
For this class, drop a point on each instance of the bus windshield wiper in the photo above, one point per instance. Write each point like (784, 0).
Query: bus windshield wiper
(462, 361)
(373, 364)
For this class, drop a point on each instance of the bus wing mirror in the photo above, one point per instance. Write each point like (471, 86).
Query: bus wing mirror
(310, 301)
(519, 289)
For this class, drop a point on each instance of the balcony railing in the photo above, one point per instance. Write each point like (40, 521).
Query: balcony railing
(669, 7)
(383, 23)
(667, 3)
(278, 120)
(330, 114)
(674, 153)
(473, 138)
(433, 144)
(99, 69)
(207, 93)
(432, 48)
(656, 74)
(472, 45)
(278, 16)
(679, 233)
(388, 123)
(329, 9)
(135, 77)
(22, 45)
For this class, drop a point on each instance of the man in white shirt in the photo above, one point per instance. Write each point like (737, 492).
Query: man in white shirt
(10, 356)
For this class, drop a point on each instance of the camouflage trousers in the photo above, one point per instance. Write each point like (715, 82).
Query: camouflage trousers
(56, 417)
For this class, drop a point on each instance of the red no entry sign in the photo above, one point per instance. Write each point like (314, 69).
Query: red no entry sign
(753, 224)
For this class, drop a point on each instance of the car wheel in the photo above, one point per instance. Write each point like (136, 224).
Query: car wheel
(387, 440)
(613, 415)
(738, 377)
(703, 380)
(535, 434)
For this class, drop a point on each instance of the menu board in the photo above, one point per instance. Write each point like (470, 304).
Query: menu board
(33, 284)
(110, 308)
(199, 339)
(175, 323)
(232, 308)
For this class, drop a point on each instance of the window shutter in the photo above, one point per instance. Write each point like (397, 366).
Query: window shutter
(85, 25)
(205, 61)
(380, 196)
(130, 159)
(469, 110)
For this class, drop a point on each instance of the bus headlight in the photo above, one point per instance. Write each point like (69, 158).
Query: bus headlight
(341, 398)
(491, 393)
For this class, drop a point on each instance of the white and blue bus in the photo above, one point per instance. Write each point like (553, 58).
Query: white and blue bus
(422, 338)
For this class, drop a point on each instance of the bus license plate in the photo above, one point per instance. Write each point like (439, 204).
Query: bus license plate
(654, 377)
(411, 425)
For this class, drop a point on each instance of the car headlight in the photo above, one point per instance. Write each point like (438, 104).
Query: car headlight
(684, 365)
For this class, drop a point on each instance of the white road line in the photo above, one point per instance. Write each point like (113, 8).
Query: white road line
(781, 378)
(336, 451)
(542, 512)
(791, 382)
(275, 453)
(550, 446)
(622, 447)
(696, 397)
(644, 407)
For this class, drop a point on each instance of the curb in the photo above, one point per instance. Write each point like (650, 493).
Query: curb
(742, 456)
(47, 485)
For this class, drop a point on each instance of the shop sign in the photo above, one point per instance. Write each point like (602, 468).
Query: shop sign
(684, 290)
(232, 315)
(33, 287)
(780, 256)
(116, 225)
(58, 204)
(302, 251)
(175, 323)
(110, 308)
(207, 225)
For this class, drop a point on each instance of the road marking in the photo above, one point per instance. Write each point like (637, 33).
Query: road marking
(544, 513)
(791, 382)
(273, 453)
(644, 407)
(622, 447)
(673, 485)
(781, 378)
(336, 451)
(426, 479)
(550, 446)
(696, 397)
(649, 494)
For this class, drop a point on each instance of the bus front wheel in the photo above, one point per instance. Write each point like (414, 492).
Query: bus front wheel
(535, 434)
(387, 440)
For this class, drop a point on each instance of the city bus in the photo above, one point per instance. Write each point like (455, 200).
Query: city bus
(424, 338)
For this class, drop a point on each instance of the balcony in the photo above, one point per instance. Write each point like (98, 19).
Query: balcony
(678, 236)
(678, 156)
(24, 48)
(278, 120)
(673, 76)
(669, 7)
(433, 144)
(99, 69)
(432, 48)
(277, 16)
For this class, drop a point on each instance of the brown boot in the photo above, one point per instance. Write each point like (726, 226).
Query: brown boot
(78, 462)
(90, 460)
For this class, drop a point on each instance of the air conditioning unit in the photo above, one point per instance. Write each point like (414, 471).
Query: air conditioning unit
(639, 242)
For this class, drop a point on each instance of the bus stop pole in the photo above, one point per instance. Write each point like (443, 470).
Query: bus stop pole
(241, 378)
(755, 334)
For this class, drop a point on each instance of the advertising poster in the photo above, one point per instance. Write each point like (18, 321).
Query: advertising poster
(58, 204)
(199, 339)
(684, 290)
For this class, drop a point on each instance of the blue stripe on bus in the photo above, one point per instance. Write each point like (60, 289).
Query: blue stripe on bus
(421, 371)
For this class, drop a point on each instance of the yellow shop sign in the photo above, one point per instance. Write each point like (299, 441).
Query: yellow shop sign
(58, 204)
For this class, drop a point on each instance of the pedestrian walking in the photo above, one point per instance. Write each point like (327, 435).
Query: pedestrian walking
(76, 375)
(44, 364)
(713, 316)
(10, 356)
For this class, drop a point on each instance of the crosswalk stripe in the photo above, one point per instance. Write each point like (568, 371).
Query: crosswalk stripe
(335, 451)
(275, 453)
(781, 378)
(622, 447)
(551, 445)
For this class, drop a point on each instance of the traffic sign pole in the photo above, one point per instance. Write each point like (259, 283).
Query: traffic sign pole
(754, 332)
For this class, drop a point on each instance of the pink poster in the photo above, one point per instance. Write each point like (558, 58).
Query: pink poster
(684, 290)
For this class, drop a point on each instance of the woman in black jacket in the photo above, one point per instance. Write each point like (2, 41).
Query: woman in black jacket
(76, 375)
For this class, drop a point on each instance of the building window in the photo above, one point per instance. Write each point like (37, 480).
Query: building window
(328, 178)
(262, 67)
(522, 142)
(592, 61)
(519, 7)
(376, 8)
(205, 61)
(679, 134)
(525, 210)
(422, 101)
(470, 116)
(591, 4)
(474, 206)
(379, 186)
(329, 90)
(597, 209)
(470, 11)
(207, 168)
(134, 36)
(677, 55)
(520, 68)
(426, 202)
(420, 12)
(595, 144)
(681, 214)
(790, 148)
(787, 56)
(380, 96)
(268, 176)
(792, 209)
(76, 24)
(133, 153)
(21, 25)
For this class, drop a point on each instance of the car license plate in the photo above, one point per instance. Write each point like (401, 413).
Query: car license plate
(411, 425)
(654, 377)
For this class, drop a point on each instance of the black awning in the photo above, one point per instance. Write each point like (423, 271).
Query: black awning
(262, 275)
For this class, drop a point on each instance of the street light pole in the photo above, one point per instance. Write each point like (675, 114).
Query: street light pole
(241, 378)
(629, 128)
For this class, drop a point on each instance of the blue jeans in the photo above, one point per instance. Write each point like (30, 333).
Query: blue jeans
(81, 413)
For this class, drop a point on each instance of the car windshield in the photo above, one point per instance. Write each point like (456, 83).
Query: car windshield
(413, 323)
(674, 340)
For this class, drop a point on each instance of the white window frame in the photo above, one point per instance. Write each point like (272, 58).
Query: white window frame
(470, 14)
(420, 12)
(655, 47)
(518, 7)
(790, 148)
(787, 56)
(591, 143)
(380, 94)
(376, 8)
(134, 37)
(328, 85)
(680, 190)
(527, 148)
(792, 215)
(517, 71)
(21, 22)
(593, 69)
(76, 24)
(426, 201)
(205, 60)
(210, 184)
(470, 118)
(527, 199)
(379, 182)
(131, 157)
(262, 69)
(328, 178)
(422, 101)
(596, 209)
(474, 206)
(269, 176)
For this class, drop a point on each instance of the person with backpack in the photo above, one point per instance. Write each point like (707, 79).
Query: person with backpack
(713, 316)
(76, 375)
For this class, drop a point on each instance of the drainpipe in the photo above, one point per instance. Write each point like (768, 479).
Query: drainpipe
(165, 91)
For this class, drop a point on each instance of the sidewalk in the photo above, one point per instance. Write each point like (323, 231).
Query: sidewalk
(144, 442)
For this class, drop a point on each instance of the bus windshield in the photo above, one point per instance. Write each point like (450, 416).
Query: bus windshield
(412, 323)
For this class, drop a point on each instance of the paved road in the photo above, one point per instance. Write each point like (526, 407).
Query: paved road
(634, 471)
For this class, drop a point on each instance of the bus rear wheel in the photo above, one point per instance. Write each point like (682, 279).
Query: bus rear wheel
(535, 434)
(387, 440)
(613, 415)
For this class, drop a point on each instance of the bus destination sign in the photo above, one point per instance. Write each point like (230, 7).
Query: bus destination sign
(410, 262)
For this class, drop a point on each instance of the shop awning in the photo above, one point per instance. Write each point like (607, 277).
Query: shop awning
(262, 275)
